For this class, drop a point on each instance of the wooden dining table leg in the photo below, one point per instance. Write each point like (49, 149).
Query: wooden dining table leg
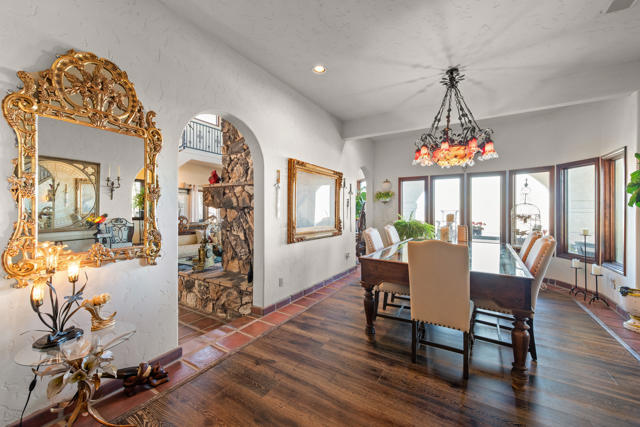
(369, 310)
(520, 340)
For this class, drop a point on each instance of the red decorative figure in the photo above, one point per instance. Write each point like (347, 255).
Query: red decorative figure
(214, 178)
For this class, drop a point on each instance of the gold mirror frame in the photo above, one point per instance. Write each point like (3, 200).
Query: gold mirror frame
(294, 236)
(109, 102)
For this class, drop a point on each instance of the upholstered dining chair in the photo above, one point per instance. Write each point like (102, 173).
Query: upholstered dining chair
(374, 243)
(372, 240)
(391, 234)
(528, 244)
(537, 262)
(439, 286)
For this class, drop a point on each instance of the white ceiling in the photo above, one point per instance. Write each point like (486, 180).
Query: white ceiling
(385, 57)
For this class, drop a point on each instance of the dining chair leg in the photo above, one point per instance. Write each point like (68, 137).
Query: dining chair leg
(393, 297)
(376, 302)
(532, 341)
(385, 298)
(414, 340)
(465, 355)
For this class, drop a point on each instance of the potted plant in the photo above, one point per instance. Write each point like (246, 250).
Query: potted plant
(477, 227)
(414, 229)
(631, 304)
(384, 196)
(360, 199)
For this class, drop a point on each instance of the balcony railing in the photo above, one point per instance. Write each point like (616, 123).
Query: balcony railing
(202, 137)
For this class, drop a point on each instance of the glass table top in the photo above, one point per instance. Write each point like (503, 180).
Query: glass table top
(484, 257)
(77, 348)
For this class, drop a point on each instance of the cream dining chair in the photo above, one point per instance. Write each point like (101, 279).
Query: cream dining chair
(373, 243)
(391, 234)
(528, 244)
(372, 240)
(439, 286)
(537, 262)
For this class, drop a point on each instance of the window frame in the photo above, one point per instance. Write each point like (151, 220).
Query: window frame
(608, 212)
(552, 197)
(432, 180)
(503, 202)
(562, 248)
(425, 179)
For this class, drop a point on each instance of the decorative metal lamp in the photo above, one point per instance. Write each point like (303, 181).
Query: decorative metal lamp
(446, 147)
(55, 321)
(525, 217)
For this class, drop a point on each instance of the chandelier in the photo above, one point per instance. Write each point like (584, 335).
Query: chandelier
(447, 147)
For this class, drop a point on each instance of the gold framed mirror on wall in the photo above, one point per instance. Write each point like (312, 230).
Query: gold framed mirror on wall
(82, 137)
(313, 202)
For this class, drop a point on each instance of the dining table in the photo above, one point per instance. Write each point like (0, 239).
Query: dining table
(499, 280)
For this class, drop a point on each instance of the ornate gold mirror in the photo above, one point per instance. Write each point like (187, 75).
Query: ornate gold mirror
(313, 202)
(74, 183)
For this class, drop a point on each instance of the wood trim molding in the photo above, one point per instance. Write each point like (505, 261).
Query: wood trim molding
(561, 232)
(425, 179)
(552, 189)
(503, 199)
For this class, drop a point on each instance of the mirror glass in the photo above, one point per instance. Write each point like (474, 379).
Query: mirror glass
(315, 202)
(77, 166)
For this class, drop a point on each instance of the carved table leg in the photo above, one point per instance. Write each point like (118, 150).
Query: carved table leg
(520, 339)
(369, 310)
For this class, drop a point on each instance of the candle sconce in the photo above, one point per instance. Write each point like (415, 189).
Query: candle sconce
(55, 321)
(113, 185)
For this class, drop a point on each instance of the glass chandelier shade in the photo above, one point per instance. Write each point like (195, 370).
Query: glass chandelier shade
(447, 147)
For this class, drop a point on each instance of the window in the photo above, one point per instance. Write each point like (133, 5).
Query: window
(446, 199)
(183, 202)
(487, 206)
(578, 187)
(614, 210)
(137, 202)
(532, 192)
(412, 199)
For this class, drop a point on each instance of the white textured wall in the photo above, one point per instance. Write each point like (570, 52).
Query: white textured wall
(536, 139)
(178, 72)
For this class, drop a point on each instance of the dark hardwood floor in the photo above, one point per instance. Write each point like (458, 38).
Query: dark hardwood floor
(319, 369)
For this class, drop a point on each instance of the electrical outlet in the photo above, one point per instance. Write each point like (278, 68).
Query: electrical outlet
(347, 255)
(613, 283)
(280, 282)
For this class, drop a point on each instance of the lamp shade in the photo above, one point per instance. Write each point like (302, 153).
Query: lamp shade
(386, 185)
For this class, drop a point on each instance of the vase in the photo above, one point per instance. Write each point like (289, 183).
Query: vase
(631, 304)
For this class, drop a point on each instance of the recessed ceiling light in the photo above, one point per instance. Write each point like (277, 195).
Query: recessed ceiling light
(319, 69)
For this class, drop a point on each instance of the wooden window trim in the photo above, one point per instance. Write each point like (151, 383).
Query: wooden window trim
(608, 212)
(512, 194)
(468, 189)
(562, 249)
(423, 178)
(432, 180)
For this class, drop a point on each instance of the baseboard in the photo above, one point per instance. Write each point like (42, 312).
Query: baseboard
(45, 416)
(612, 304)
(288, 300)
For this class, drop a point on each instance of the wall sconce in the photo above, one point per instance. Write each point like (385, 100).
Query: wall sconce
(386, 194)
(111, 184)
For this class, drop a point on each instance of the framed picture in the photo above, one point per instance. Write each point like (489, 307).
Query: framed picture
(313, 202)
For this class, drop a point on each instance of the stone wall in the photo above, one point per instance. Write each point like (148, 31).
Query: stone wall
(234, 197)
(227, 295)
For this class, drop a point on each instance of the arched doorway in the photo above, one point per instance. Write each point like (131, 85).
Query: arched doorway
(231, 285)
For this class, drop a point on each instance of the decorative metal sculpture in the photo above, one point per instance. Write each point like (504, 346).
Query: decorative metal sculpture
(445, 147)
(84, 89)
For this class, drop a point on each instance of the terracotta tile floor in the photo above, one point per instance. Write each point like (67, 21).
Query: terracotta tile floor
(205, 340)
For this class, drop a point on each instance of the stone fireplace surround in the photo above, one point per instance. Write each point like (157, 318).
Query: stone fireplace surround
(227, 294)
